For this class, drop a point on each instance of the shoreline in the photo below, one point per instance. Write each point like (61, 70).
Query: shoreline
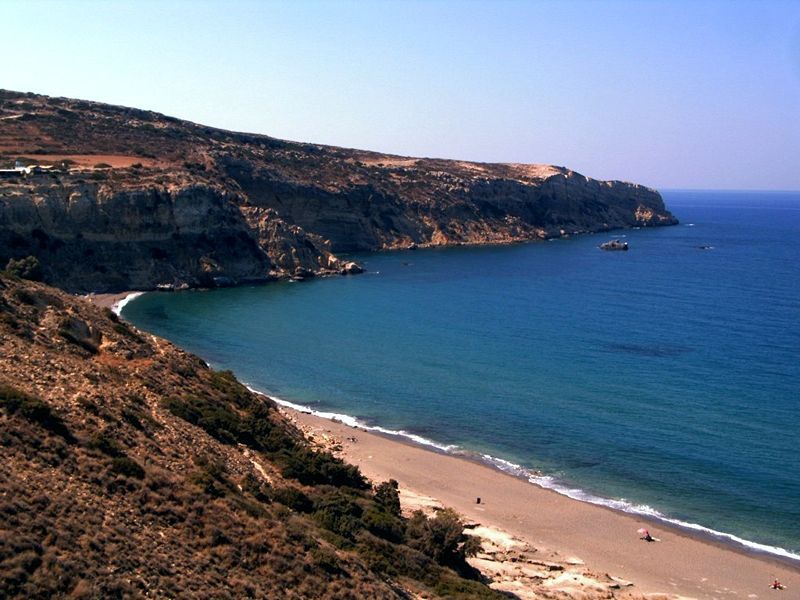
(549, 483)
(685, 564)
(786, 568)
(115, 302)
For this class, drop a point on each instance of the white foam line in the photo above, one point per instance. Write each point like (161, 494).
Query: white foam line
(351, 421)
(545, 481)
(120, 304)
(551, 483)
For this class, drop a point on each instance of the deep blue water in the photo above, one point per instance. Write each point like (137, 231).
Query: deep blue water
(666, 376)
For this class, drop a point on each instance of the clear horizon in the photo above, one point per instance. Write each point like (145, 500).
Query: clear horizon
(672, 95)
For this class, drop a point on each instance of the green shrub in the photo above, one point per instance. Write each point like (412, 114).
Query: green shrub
(315, 467)
(133, 417)
(325, 559)
(257, 487)
(33, 409)
(24, 296)
(226, 383)
(339, 513)
(254, 428)
(387, 495)
(384, 525)
(87, 345)
(451, 586)
(124, 329)
(210, 477)
(124, 465)
(214, 417)
(442, 538)
(25, 268)
(293, 498)
(104, 443)
(392, 559)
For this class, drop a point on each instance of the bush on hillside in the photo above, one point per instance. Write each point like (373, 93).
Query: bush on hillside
(124, 465)
(254, 428)
(442, 538)
(33, 409)
(25, 268)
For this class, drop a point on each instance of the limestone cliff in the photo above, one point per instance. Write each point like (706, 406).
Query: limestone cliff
(138, 199)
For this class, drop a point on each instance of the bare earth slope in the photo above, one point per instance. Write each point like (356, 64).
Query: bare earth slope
(131, 470)
(179, 203)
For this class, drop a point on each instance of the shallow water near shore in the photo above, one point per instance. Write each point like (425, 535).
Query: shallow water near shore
(662, 380)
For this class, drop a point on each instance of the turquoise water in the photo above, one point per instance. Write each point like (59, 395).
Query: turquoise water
(663, 380)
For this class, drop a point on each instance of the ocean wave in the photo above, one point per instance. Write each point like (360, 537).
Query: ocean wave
(351, 421)
(120, 304)
(549, 482)
(552, 483)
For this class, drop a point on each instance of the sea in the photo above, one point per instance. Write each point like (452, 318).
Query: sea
(662, 381)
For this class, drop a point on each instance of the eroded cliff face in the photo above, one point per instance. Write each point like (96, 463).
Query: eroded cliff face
(95, 237)
(387, 202)
(182, 204)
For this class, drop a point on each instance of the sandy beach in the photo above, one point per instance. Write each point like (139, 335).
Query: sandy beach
(579, 549)
(111, 301)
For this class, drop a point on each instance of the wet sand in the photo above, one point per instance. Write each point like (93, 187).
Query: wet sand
(558, 527)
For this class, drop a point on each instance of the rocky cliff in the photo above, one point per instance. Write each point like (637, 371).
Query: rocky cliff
(137, 199)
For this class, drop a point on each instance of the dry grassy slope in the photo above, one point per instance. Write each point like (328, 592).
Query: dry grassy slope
(107, 489)
(295, 204)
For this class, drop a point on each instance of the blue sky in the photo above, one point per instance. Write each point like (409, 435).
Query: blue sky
(669, 94)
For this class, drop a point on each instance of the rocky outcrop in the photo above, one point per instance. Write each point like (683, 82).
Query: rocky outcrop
(290, 249)
(190, 205)
(93, 237)
(614, 245)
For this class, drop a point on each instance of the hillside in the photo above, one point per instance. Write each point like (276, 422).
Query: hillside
(138, 199)
(130, 469)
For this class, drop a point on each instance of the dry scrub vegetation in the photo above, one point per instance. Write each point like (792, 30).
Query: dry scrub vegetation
(132, 470)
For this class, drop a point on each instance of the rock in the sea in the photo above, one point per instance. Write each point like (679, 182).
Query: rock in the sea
(614, 245)
(352, 268)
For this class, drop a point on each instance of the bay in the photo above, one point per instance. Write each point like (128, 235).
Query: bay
(662, 380)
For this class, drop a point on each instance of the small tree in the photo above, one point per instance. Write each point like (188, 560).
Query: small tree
(387, 495)
(25, 268)
(443, 539)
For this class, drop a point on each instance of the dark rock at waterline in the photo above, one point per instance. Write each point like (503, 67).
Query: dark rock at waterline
(614, 245)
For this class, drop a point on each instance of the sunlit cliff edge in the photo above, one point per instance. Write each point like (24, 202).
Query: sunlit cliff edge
(134, 200)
